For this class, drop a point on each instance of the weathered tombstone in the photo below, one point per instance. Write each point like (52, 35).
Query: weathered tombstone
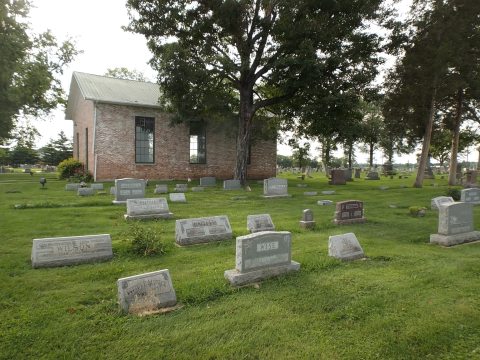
(349, 212)
(71, 250)
(85, 191)
(328, 192)
(324, 202)
(160, 189)
(112, 190)
(348, 174)
(151, 208)
(72, 186)
(471, 196)
(260, 256)
(310, 193)
(345, 247)
(181, 187)
(275, 187)
(384, 187)
(202, 230)
(358, 172)
(440, 200)
(198, 189)
(372, 175)
(338, 177)
(146, 293)
(97, 186)
(128, 189)
(177, 197)
(260, 222)
(307, 221)
(455, 225)
(232, 185)
(208, 181)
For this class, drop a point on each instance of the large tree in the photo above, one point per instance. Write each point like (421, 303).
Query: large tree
(57, 150)
(238, 59)
(30, 66)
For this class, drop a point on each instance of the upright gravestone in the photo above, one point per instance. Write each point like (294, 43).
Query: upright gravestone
(72, 186)
(208, 181)
(112, 190)
(439, 201)
(455, 225)
(181, 188)
(471, 196)
(232, 185)
(160, 189)
(177, 197)
(348, 174)
(260, 256)
(128, 189)
(143, 209)
(338, 177)
(71, 250)
(358, 172)
(260, 222)
(85, 191)
(307, 221)
(349, 212)
(345, 247)
(202, 230)
(275, 187)
(471, 178)
(372, 175)
(146, 293)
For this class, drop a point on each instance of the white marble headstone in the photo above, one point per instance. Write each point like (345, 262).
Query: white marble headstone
(345, 247)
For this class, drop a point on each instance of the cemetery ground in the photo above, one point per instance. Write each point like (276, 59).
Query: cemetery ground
(408, 300)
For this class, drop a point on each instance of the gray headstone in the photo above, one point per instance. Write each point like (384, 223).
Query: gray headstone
(177, 197)
(181, 187)
(97, 186)
(232, 185)
(72, 186)
(208, 181)
(152, 208)
(455, 225)
(112, 190)
(349, 212)
(275, 187)
(338, 177)
(372, 175)
(202, 230)
(441, 200)
(61, 251)
(198, 189)
(345, 247)
(328, 192)
(161, 189)
(128, 189)
(471, 195)
(358, 172)
(261, 255)
(85, 192)
(307, 221)
(260, 222)
(310, 193)
(348, 174)
(146, 292)
(324, 202)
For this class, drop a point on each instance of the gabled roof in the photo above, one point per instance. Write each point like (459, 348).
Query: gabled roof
(115, 91)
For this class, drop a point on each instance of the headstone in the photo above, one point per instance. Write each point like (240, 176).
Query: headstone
(324, 202)
(349, 212)
(260, 222)
(471, 195)
(27, 170)
(275, 187)
(455, 225)
(112, 190)
(358, 172)
(345, 247)
(143, 209)
(338, 177)
(208, 181)
(384, 187)
(85, 191)
(128, 189)
(440, 200)
(198, 189)
(310, 193)
(328, 192)
(160, 189)
(177, 197)
(97, 186)
(372, 175)
(260, 256)
(181, 188)
(72, 186)
(307, 221)
(348, 174)
(146, 293)
(62, 251)
(202, 230)
(232, 185)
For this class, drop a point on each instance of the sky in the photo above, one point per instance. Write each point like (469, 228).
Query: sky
(96, 27)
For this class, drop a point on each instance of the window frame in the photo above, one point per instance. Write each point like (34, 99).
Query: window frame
(151, 121)
(198, 129)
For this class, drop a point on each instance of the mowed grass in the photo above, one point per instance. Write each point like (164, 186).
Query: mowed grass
(407, 300)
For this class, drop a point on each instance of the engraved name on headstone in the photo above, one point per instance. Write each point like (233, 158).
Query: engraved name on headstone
(260, 222)
(275, 187)
(471, 195)
(128, 189)
(349, 212)
(151, 208)
(231, 185)
(147, 292)
(345, 247)
(439, 201)
(202, 230)
(61, 251)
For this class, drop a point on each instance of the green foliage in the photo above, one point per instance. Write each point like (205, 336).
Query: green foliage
(124, 73)
(417, 210)
(145, 241)
(284, 161)
(454, 193)
(57, 150)
(74, 170)
(23, 155)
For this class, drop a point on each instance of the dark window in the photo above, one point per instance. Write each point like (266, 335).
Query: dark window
(86, 149)
(144, 140)
(78, 146)
(198, 143)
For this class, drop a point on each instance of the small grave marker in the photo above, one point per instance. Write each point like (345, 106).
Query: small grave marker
(345, 247)
(85, 191)
(275, 187)
(198, 188)
(97, 186)
(202, 230)
(324, 202)
(372, 175)
(181, 188)
(143, 209)
(260, 222)
(72, 186)
(208, 181)
(440, 200)
(328, 192)
(307, 221)
(338, 177)
(128, 189)
(310, 193)
(160, 189)
(471, 196)
(232, 185)
(349, 212)
(178, 197)
(112, 190)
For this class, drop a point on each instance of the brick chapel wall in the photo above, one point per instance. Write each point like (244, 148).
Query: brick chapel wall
(115, 148)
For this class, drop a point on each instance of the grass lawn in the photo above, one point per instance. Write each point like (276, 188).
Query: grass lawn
(407, 300)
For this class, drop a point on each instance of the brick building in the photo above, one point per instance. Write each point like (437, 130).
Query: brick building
(120, 131)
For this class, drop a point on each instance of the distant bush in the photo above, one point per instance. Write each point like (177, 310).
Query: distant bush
(454, 193)
(145, 241)
(73, 170)
(417, 210)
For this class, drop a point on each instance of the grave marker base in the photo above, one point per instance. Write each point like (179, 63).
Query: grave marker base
(149, 216)
(158, 311)
(350, 221)
(275, 196)
(239, 279)
(451, 240)
(307, 224)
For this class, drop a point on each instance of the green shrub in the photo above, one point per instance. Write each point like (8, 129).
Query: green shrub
(454, 193)
(417, 210)
(73, 170)
(145, 241)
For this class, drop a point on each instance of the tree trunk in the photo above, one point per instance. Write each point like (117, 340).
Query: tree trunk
(371, 155)
(452, 178)
(426, 141)
(244, 134)
(350, 155)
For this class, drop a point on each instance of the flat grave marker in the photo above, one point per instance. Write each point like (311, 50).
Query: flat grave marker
(324, 202)
(161, 189)
(97, 186)
(177, 197)
(202, 230)
(85, 191)
(151, 208)
(72, 186)
(345, 247)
